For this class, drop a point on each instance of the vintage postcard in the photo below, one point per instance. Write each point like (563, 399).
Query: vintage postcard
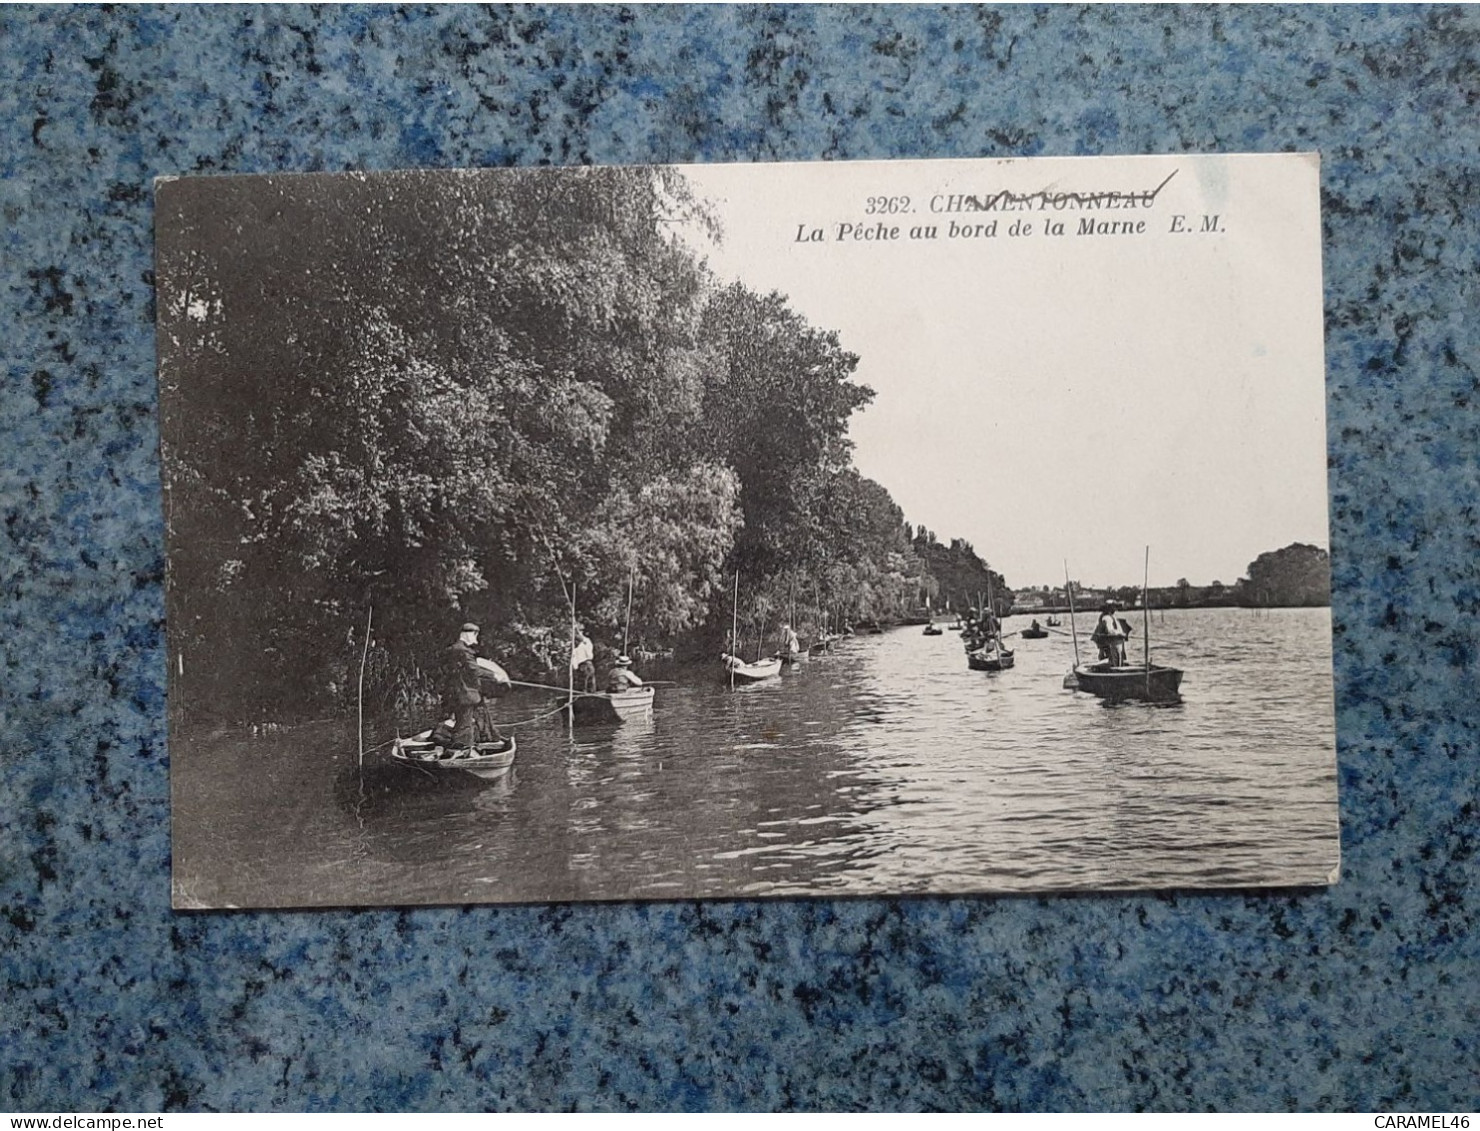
(740, 531)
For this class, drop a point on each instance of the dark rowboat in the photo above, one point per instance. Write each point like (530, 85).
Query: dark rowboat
(1033, 633)
(933, 630)
(487, 760)
(989, 659)
(1157, 684)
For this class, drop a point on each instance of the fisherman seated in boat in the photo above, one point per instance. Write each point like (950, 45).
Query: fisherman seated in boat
(622, 677)
(1110, 635)
(462, 695)
(583, 661)
(1036, 626)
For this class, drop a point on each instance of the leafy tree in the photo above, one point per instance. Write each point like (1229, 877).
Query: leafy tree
(1299, 574)
(776, 409)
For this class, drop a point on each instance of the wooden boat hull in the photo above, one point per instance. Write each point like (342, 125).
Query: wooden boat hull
(1159, 685)
(982, 660)
(487, 760)
(931, 630)
(614, 707)
(1029, 634)
(753, 673)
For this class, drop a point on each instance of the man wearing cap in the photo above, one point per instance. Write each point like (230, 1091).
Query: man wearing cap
(463, 693)
(622, 677)
(1110, 634)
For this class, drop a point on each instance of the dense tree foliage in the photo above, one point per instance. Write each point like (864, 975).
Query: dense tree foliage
(1296, 575)
(962, 579)
(447, 396)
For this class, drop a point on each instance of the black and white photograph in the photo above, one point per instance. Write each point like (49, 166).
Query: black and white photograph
(737, 531)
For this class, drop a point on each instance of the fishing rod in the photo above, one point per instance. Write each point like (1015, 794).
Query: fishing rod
(588, 694)
(550, 687)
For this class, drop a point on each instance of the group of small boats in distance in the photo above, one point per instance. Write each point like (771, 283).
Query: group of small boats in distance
(1151, 683)
(1109, 680)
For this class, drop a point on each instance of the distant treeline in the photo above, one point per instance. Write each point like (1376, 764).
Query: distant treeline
(1299, 575)
(473, 396)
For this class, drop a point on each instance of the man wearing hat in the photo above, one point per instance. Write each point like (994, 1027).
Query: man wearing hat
(1110, 634)
(622, 677)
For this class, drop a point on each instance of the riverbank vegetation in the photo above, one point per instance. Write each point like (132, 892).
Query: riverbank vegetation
(431, 397)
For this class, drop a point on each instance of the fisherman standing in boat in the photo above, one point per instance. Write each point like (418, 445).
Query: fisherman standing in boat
(791, 646)
(991, 625)
(1111, 632)
(622, 678)
(583, 660)
(463, 693)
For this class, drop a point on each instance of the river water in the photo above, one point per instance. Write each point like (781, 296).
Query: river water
(885, 767)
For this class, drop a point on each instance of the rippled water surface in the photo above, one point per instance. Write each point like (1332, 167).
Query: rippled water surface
(887, 767)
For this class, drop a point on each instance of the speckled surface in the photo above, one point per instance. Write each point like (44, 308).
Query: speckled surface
(1364, 996)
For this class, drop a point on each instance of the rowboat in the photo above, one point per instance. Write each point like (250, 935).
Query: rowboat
(933, 630)
(823, 643)
(487, 760)
(613, 707)
(1151, 684)
(990, 659)
(1033, 633)
(1146, 682)
(742, 672)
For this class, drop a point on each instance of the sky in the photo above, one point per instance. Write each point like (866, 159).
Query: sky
(1065, 397)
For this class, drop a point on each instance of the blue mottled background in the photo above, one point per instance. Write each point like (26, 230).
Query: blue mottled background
(1364, 996)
